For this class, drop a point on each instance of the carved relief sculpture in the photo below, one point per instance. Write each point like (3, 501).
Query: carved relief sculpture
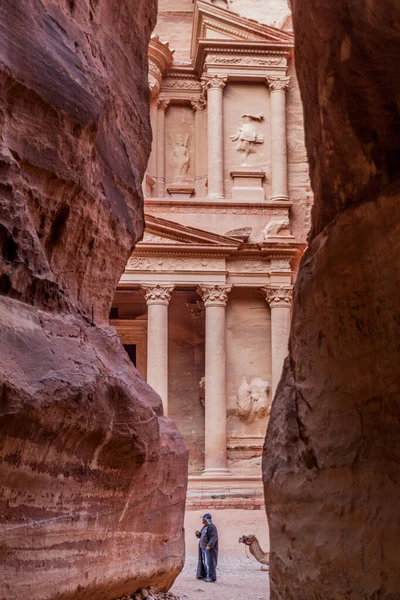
(202, 391)
(248, 137)
(276, 227)
(252, 399)
(180, 157)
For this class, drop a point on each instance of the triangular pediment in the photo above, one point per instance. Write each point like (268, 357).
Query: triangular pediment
(215, 23)
(162, 232)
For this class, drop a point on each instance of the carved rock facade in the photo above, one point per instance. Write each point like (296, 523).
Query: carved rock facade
(217, 231)
(92, 475)
(332, 452)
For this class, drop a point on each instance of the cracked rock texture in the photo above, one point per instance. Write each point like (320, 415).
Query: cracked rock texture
(332, 452)
(92, 475)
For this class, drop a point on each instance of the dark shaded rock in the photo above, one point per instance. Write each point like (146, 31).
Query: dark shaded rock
(332, 452)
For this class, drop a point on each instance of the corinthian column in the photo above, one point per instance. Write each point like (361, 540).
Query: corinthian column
(215, 298)
(157, 298)
(278, 87)
(279, 299)
(162, 107)
(214, 86)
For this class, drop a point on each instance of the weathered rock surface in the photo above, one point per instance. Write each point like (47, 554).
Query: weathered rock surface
(332, 478)
(92, 475)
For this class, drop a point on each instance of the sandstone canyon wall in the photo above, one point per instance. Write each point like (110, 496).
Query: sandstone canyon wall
(92, 475)
(332, 478)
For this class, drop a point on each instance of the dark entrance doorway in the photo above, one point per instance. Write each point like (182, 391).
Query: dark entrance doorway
(131, 350)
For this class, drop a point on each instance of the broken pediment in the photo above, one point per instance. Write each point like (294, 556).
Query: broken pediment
(212, 22)
(164, 232)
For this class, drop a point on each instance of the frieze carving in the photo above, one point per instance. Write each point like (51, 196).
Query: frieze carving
(247, 136)
(276, 227)
(177, 83)
(199, 105)
(215, 82)
(280, 264)
(157, 294)
(214, 295)
(252, 399)
(208, 209)
(180, 157)
(278, 82)
(247, 61)
(178, 263)
(138, 263)
(278, 296)
(249, 266)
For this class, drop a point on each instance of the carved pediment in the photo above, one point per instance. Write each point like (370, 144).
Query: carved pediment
(214, 23)
(162, 232)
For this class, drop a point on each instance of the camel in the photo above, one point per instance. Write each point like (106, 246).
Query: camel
(255, 549)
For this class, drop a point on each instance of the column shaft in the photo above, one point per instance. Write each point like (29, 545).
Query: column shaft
(157, 351)
(215, 298)
(279, 167)
(162, 107)
(280, 329)
(279, 300)
(215, 89)
(157, 298)
(199, 107)
(152, 166)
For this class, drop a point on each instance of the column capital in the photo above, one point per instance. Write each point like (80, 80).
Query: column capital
(215, 82)
(163, 104)
(199, 105)
(157, 293)
(214, 295)
(278, 83)
(278, 296)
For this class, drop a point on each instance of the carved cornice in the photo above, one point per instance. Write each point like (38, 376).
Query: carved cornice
(214, 295)
(214, 82)
(278, 83)
(199, 104)
(278, 296)
(157, 294)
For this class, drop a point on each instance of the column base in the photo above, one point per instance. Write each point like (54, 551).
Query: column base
(280, 198)
(216, 473)
(216, 197)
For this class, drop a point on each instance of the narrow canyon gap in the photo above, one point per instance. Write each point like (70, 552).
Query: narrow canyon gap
(93, 476)
(332, 451)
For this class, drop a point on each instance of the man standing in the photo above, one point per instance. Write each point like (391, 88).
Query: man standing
(208, 550)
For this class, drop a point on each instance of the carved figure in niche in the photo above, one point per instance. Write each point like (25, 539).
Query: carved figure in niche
(248, 137)
(252, 399)
(276, 227)
(180, 157)
(202, 391)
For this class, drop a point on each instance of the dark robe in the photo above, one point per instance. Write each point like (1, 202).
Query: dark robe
(209, 534)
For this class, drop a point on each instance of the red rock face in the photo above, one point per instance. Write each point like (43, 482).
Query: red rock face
(92, 476)
(332, 453)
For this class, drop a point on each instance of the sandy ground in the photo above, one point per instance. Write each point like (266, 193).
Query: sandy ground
(238, 576)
